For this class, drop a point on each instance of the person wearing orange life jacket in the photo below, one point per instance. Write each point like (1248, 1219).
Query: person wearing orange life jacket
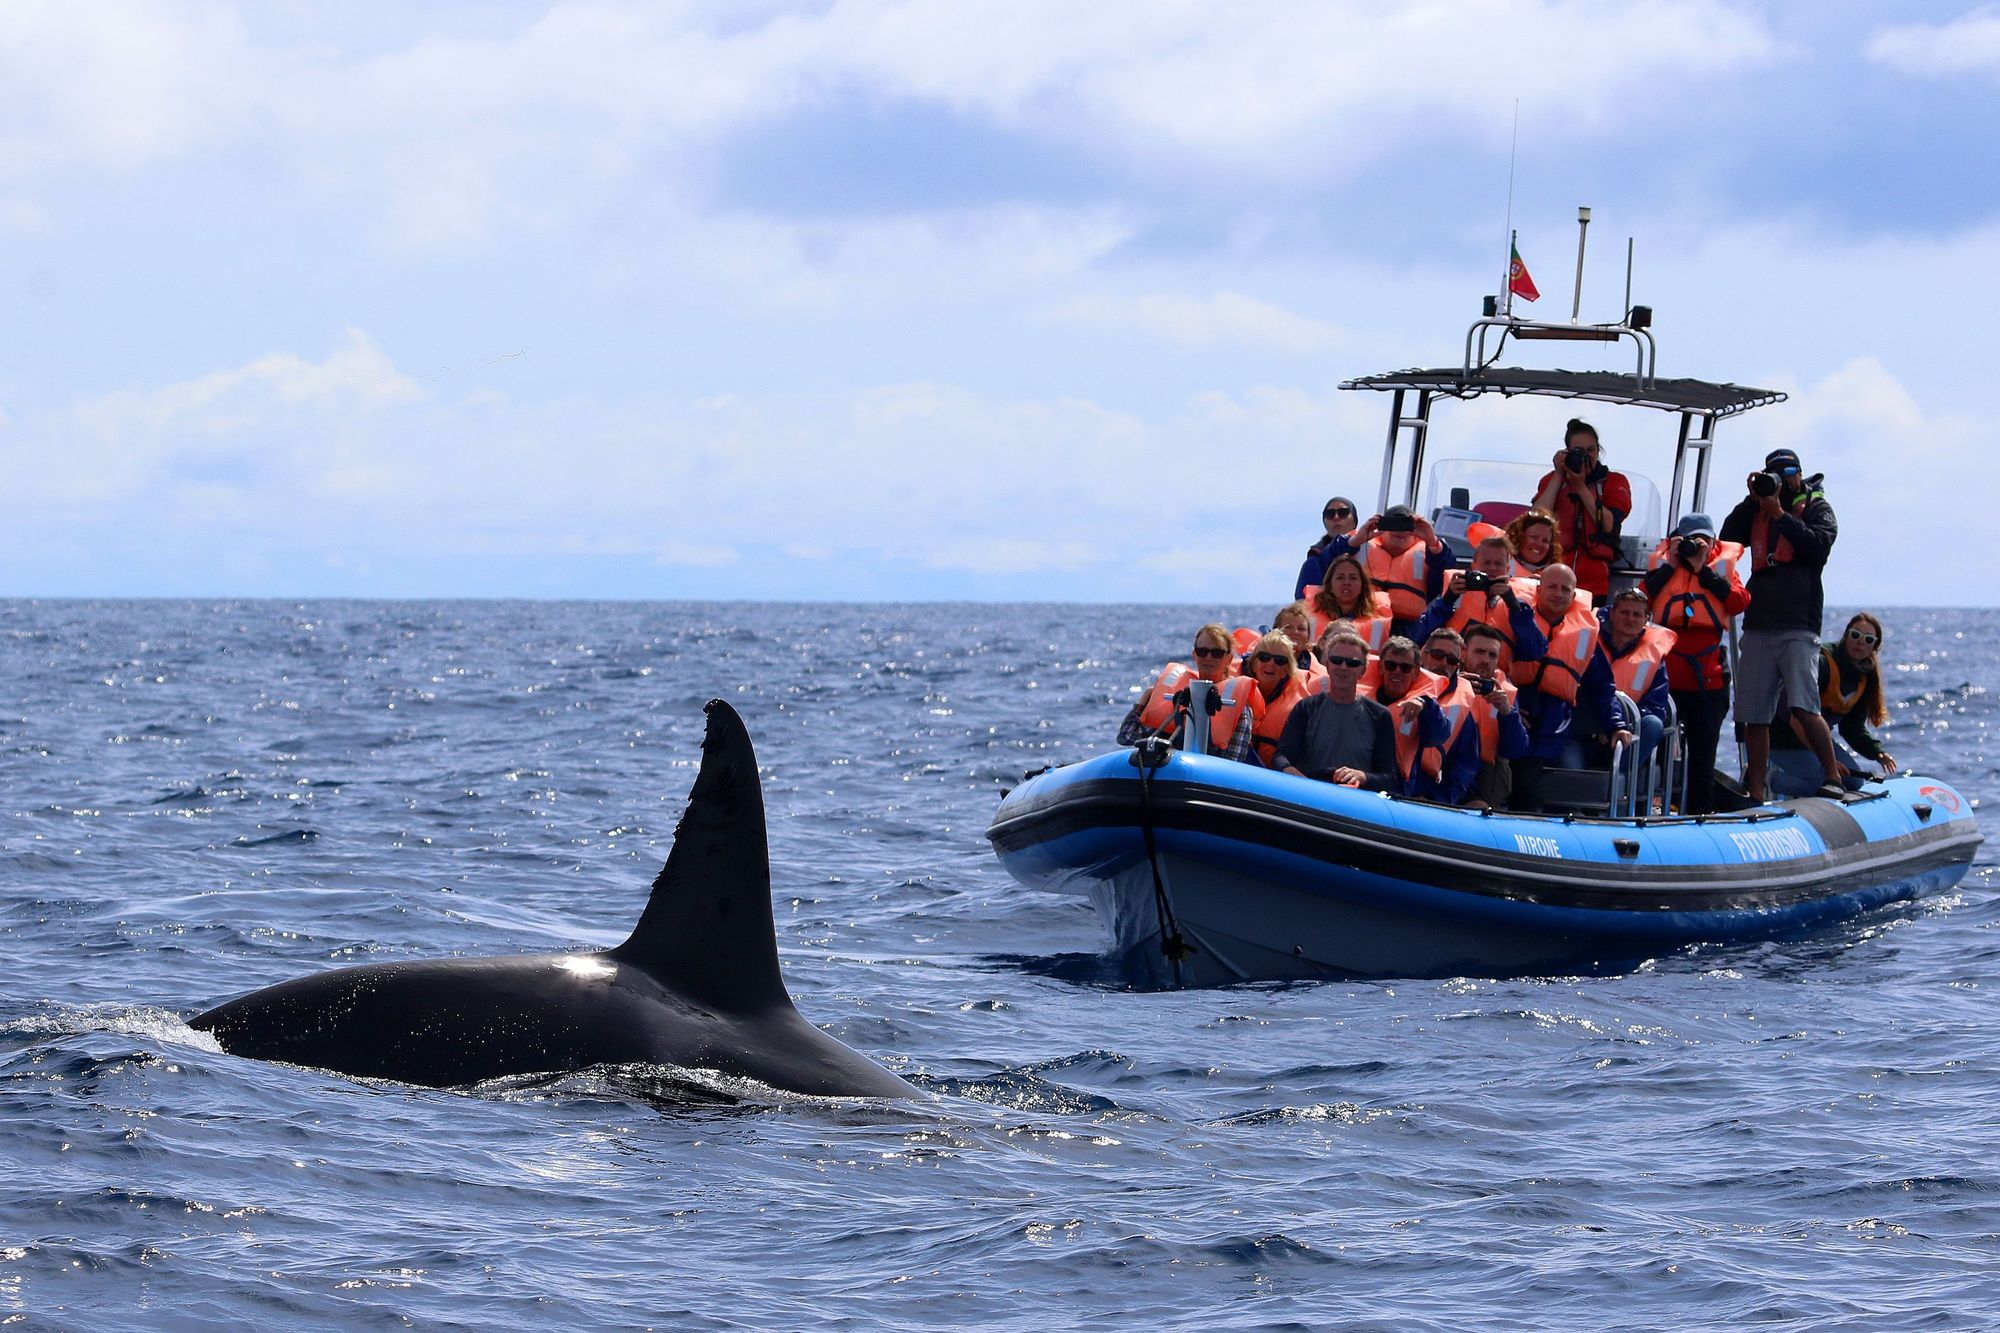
(1395, 681)
(1483, 731)
(1590, 503)
(1281, 684)
(1789, 529)
(1338, 736)
(1572, 674)
(1637, 651)
(1231, 727)
(1694, 591)
(1850, 698)
(1349, 594)
(1405, 558)
(1536, 544)
(1486, 595)
(1295, 622)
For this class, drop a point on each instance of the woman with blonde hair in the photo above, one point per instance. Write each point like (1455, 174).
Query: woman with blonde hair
(1158, 714)
(1536, 543)
(1273, 664)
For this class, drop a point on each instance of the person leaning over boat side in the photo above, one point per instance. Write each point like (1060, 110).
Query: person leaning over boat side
(1636, 651)
(1295, 622)
(1850, 698)
(1694, 591)
(1570, 674)
(1590, 503)
(1482, 732)
(1339, 736)
(1487, 595)
(1536, 545)
(1232, 726)
(1405, 558)
(1339, 517)
(1281, 684)
(1786, 524)
(1348, 594)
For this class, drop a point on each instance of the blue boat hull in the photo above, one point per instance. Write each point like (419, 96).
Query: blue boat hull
(1270, 877)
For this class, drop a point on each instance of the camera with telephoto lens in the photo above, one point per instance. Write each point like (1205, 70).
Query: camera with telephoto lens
(1576, 460)
(1476, 581)
(1690, 550)
(1482, 685)
(1763, 485)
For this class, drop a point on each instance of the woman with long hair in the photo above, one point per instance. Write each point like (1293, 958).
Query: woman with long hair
(1536, 543)
(1851, 699)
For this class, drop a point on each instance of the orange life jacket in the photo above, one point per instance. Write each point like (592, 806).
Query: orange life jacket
(1271, 722)
(1483, 608)
(1524, 570)
(1763, 551)
(1682, 603)
(1427, 683)
(1479, 711)
(1373, 627)
(1237, 693)
(1404, 578)
(1571, 643)
(1634, 672)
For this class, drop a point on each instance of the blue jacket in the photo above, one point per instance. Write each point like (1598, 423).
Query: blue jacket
(1549, 717)
(1461, 762)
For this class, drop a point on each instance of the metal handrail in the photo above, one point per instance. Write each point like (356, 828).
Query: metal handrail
(1645, 366)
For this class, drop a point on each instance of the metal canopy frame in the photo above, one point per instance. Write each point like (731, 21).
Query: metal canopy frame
(1698, 403)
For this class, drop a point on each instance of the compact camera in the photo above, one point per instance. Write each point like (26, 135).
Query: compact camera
(1482, 685)
(1478, 582)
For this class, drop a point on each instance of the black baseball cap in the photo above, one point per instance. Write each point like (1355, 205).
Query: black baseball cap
(1782, 460)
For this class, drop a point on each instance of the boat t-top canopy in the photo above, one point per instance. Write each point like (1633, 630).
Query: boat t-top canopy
(1699, 403)
(1605, 386)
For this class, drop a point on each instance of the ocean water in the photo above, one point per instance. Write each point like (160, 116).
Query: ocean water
(200, 799)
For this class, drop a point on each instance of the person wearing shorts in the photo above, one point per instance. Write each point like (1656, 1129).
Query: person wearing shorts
(1788, 529)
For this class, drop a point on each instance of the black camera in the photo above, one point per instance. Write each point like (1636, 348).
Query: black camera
(1576, 460)
(1763, 485)
(1476, 581)
(1482, 685)
(1690, 549)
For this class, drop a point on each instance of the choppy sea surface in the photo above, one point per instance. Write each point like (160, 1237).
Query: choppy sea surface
(200, 799)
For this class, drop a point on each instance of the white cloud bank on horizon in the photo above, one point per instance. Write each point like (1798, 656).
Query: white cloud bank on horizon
(1968, 44)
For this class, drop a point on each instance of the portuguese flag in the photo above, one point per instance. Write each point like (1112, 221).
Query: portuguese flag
(1518, 281)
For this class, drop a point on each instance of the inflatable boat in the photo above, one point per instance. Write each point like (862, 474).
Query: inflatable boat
(1209, 871)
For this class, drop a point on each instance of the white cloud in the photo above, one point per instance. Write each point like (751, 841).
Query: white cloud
(1968, 44)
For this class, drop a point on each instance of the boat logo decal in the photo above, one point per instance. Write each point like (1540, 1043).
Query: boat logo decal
(1771, 845)
(1943, 796)
(1534, 846)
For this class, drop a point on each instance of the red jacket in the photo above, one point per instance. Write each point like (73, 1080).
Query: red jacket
(1590, 552)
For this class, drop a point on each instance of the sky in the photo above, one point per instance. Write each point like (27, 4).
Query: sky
(986, 299)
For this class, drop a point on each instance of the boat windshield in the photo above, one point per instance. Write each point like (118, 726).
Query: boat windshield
(1466, 490)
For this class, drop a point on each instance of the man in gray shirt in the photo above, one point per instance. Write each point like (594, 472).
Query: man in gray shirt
(1339, 736)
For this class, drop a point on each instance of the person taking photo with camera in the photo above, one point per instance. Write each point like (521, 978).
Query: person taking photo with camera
(1692, 588)
(1590, 503)
(1786, 524)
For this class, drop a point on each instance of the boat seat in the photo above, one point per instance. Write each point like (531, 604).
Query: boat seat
(1499, 512)
(1606, 791)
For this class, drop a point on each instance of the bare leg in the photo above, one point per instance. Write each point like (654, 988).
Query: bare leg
(1757, 760)
(1818, 737)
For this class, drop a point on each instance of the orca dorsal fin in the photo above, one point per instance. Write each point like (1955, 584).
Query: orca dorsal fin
(707, 930)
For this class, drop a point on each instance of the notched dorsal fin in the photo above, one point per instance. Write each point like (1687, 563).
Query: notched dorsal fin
(707, 930)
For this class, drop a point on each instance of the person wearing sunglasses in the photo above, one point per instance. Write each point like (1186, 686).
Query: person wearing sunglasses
(1396, 681)
(1693, 589)
(1590, 503)
(1339, 517)
(1788, 529)
(1339, 736)
(1272, 664)
(1851, 700)
(1232, 726)
(1481, 732)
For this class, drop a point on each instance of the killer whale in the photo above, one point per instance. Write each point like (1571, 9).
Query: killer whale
(697, 985)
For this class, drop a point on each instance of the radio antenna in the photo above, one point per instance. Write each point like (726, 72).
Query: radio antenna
(1507, 264)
